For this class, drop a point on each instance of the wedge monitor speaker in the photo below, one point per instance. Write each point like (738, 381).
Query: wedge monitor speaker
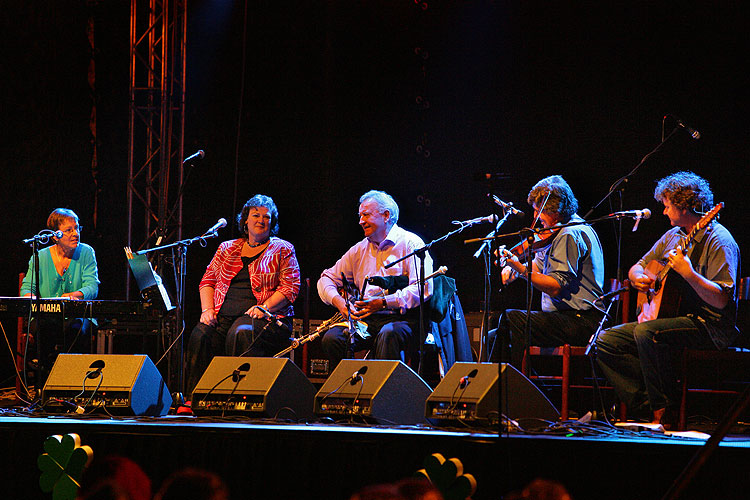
(261, 387)
(380, 391)
(470, 393)
(118, 384)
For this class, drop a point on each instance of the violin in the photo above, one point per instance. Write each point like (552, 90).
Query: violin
(542, 240)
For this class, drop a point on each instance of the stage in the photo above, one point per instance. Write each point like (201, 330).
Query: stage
(267, 459)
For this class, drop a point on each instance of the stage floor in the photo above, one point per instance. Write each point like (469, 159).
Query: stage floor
(263, 458)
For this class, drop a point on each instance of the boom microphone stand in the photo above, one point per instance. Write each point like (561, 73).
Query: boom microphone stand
(180, 247)
(485, 250)
(421, 253)
(41, 238)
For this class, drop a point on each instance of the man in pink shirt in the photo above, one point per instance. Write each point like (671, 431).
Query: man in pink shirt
(391, 316)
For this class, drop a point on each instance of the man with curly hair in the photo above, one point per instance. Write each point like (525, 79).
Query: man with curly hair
(569, 273)
(637, 357)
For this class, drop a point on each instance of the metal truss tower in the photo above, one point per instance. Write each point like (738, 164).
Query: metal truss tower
(156, 121)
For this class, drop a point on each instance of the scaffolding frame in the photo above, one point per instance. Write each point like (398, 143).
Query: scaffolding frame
(156, 138)
(156, 128)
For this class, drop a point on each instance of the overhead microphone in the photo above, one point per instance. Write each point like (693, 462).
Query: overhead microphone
(690, 130)
(490, 218)
(219, 224)
(357, 376)
(44, 236)
(636, 214)
(198, 155)
(506, 206)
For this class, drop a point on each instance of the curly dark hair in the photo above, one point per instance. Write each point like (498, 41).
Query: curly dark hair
(259, 200)
(561, 199)
(685, 190)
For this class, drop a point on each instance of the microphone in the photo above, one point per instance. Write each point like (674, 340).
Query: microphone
(270, 316)
(44, 236)
(215, 228)
(357, 376)
(690, 130)
(466, 379)
(96, 369)
(611, 294)
(198, 155)
(236, 377)
(636, 214)
(506, 206)
(490, 218)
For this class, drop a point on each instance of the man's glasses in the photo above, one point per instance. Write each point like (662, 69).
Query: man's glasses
(70, 230)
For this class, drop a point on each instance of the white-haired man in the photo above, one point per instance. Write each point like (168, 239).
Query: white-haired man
(392, 315)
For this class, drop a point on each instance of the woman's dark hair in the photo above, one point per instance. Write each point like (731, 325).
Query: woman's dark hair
(685, 190)
(259, 200)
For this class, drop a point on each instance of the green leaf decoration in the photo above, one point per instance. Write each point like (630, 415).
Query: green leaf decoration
(62, 464)
(448, 476)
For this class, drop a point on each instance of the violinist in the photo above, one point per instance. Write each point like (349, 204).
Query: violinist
(569, 272)
(637, 357)
(392, 319)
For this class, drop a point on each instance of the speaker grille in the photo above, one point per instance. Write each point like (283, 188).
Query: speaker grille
(267, 387)
(129, 384)
(478, 401)
(389, 393)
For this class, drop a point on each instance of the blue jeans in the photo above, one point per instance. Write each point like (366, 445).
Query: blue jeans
(638, 359)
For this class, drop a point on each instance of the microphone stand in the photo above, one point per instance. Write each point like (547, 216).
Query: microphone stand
(528, 234)
(38, 302)
(420, 253)
(485, 249)
(42, 237)
(619, 185)
(180, 279)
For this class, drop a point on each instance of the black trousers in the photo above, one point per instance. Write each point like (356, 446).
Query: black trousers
(390, 336)
(547, 329)
(233, 336)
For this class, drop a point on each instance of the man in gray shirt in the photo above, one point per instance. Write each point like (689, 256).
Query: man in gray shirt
(569, 272)
(637, 357)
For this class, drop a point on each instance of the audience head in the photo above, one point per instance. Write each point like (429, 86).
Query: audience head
(116, 476)
(196, 484)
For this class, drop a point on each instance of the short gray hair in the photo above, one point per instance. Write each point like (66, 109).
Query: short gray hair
(384, 202)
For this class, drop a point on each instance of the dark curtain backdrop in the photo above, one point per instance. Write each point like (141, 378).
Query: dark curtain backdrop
(340, 97)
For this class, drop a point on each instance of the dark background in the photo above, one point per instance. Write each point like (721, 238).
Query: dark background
(342, 96)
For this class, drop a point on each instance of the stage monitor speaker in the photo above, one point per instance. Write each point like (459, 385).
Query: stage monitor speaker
(380, 391)
(469, 393)
(119, 384)
(259, 387)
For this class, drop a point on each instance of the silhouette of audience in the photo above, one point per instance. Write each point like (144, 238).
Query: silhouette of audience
(541, 489)
(195, 484)
(114, 477)
(405, 489)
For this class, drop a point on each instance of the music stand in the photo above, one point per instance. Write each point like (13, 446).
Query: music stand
(150, 284)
